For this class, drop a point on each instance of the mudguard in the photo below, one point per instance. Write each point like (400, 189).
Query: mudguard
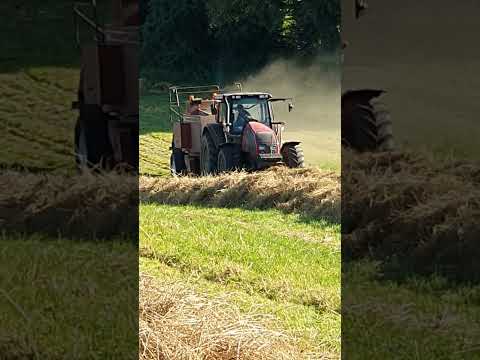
(361, 95)
(290, 143)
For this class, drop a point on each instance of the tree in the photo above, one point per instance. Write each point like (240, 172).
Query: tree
(218, 40)
(315, 27)
(176, 39)
(246, 32)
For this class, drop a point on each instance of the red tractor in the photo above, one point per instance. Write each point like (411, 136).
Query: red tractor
(228, 130)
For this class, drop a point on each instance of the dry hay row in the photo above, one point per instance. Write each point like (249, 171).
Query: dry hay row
(82, 206)
(412, 212)
(177, 323)
(310, 192)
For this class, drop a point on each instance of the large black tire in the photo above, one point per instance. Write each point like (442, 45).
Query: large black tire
(369, 128)
(178, 166)
(293, 156)
(92, 144)
(208, 156)
(228, 158)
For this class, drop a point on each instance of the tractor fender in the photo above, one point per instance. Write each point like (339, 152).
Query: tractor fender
(294, 143)
(216, 133)
(361, 95)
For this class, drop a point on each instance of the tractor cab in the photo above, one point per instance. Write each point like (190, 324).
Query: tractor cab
(236, 110)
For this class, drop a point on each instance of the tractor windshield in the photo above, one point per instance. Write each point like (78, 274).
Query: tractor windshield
(247, 109)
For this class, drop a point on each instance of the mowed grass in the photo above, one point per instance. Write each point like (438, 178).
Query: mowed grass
(269, 261)
(38, 125)
(62, 299)
(155, 135)
(421, 318)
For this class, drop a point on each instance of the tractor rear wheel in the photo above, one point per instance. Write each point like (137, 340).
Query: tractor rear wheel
(208, 156)
(228, 158)
(293, 156)
(370, 127)
(177, 162)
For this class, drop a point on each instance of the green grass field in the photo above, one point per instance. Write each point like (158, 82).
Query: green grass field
(420, 318)
(268, 260)
(155, 135)
(61, 298)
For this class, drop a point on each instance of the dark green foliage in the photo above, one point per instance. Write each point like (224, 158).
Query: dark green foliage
(316, 26)
(175, 38)
(193, 41)
(246, 32)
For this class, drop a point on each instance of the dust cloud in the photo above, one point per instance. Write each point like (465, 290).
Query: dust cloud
(316, 93)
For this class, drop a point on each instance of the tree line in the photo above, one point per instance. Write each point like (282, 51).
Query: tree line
(216, 40)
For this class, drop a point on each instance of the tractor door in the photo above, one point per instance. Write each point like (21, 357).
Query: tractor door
(222, 113)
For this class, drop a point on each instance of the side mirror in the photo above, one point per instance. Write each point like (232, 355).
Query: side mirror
(290, 107)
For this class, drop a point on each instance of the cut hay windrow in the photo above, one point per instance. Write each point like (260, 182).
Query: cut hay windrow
(80, 206)
(178, 323)
(311, 192)
(413, 213)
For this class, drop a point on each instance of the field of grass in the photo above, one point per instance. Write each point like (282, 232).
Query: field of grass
(420, 318)
(267, 260)
(64, 299)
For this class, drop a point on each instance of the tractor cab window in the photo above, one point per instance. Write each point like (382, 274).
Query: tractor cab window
(249, 109)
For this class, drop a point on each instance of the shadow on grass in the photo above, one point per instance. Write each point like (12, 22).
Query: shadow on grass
(302, 217)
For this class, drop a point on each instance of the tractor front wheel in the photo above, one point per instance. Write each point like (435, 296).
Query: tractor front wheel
(208, 156)
(293, 156)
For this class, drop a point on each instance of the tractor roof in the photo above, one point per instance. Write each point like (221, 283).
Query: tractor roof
(244, 94)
